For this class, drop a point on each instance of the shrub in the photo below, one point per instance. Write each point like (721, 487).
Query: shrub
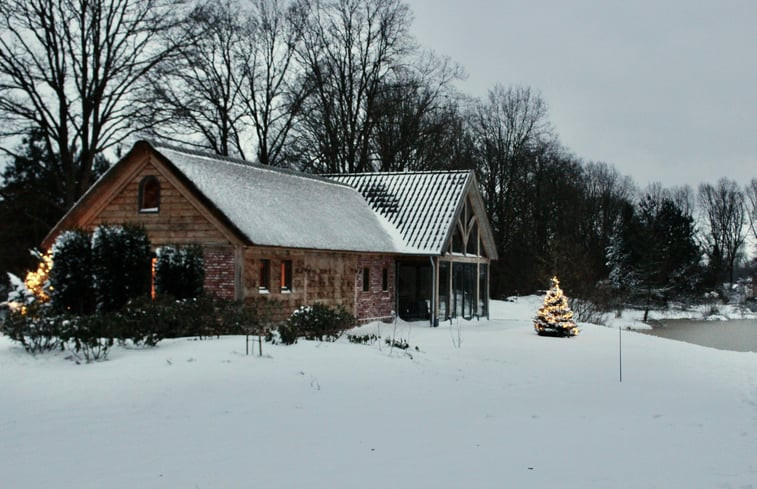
(90, 336)
(71, 275)
(180, 272)
(318, 321)
(120, 265)
(35, 329)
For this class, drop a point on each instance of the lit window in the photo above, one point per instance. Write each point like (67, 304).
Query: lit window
(385, 280)
(286, 276)
(264, 277)
(366, 279)
(149, 194)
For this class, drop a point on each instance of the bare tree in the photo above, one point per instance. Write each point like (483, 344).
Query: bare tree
(235, 90)
(509, 127)
(751, 201)
(418, 117)
(724, 214)
(195, 98)
(72, 70)
(272, 89)
(350, 47)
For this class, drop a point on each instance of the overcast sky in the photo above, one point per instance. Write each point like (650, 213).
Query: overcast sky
(663, 90)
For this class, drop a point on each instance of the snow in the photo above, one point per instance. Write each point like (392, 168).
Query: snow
(275, 207)
(478, 404)
(633, 318)
(416, 208)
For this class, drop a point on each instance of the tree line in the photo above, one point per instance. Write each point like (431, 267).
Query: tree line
(333, 86)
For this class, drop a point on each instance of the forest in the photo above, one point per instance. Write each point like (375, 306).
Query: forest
(339, 86)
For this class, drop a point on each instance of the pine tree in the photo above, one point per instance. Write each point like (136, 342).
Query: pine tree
(555, 317)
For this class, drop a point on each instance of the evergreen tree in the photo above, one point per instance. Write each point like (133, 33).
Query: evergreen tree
(555, 317)
(180, 272)
(71, 276)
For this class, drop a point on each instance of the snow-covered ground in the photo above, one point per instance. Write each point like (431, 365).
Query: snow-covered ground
(478, 405)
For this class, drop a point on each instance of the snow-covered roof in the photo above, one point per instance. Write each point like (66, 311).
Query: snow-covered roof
(420, 206)
(275, 207)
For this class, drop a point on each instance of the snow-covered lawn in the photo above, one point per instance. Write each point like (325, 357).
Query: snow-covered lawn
(505, 409)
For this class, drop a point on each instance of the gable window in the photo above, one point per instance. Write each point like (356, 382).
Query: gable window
(264, 276)
(286, 276)
(385, 279)
(366, 279)
(149, 194)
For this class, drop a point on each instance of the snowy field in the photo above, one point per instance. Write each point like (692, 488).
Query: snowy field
(486, 405)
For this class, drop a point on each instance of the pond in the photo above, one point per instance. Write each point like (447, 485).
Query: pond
(734, 335)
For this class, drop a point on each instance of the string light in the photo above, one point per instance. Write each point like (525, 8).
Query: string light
(555, 316)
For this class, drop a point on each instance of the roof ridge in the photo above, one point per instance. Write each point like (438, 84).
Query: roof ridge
(381, 173)
(240, 161)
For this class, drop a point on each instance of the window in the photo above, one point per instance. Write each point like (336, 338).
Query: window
(366, 279)
(385, 280)
(264, 277)
(286, 276)
(149, 194)
(472, 246)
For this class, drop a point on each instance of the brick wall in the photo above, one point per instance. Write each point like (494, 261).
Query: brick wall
(219, 272)
(317, 276)
(376, 302)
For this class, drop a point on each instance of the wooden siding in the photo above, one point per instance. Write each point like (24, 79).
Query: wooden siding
(178, 220)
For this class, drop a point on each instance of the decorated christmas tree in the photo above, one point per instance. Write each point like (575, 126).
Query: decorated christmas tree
(555, 317)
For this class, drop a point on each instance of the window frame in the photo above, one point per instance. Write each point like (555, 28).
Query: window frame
(148, 182)
(264, 276)
(366, 279)
(285, 283)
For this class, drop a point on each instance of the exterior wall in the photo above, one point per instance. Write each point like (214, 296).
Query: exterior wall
(376, 303)
(330, 278)
(219, 272)
(177, 222)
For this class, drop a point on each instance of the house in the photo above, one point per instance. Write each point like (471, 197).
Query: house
(418, 244)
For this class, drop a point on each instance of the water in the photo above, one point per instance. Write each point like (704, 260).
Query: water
(734, 335)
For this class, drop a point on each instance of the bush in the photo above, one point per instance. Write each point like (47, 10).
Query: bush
(91, 336)
(71, 275)
(120, 265)
(316, 322)
(36, 330)
(180, 272)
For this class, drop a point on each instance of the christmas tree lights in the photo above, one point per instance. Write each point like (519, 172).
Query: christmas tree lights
(555, 318)
(36, 281)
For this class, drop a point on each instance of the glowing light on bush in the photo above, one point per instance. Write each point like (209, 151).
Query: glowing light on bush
(36, 281)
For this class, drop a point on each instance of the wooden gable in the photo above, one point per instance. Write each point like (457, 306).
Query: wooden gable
(470, 232)
(181, 217)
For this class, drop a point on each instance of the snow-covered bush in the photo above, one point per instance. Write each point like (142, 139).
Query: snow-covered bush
(35, 329)
(120, 265)
(90, 336)
(71, 275)
(180, 272)
(316, 322)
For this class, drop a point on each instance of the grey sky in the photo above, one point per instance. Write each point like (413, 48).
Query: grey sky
(664, 90)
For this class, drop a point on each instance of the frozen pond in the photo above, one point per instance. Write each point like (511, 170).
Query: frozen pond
(734, 335)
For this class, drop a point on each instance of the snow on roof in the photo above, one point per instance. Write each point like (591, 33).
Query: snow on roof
(275, 207)
(420, 206)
